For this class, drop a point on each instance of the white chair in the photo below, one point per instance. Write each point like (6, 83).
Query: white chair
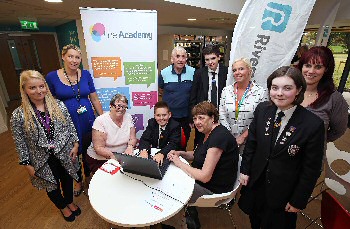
(221, 200)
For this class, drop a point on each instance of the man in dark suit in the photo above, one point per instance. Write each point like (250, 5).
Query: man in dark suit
(162, 132)
(208, 82)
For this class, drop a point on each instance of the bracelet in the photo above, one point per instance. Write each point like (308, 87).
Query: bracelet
(131, 145)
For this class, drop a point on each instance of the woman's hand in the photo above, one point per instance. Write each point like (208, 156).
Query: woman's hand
(143, 154)
(240, 139)
(290, 208)
(243, 179)
(31, 171)
(74, 152)
(159, 157)
(174, 158)
(173, 152)
(129, 150)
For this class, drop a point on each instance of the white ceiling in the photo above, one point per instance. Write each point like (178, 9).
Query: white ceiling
(169, 14)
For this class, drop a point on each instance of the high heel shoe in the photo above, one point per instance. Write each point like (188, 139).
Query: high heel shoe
(70, 218)
(80, 191)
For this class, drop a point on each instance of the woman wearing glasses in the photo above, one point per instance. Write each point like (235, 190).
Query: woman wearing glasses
(112, 132)
(76, 89)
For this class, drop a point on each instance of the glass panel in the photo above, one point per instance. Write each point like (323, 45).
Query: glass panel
(15, 57)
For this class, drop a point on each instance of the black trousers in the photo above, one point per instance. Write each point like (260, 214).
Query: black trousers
(185, 125)
(261, 215)
(63, 180)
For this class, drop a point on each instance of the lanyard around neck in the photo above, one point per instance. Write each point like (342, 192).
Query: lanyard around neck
(45, 122)
(77, 94)
(238, 104)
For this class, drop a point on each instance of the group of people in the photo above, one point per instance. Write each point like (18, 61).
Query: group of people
(280, 132)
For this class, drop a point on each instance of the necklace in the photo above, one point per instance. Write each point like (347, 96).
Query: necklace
(313, 94)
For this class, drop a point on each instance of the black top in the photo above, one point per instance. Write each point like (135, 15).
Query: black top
(225, 172)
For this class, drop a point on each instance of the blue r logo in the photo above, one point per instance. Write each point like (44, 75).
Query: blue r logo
(276, 17)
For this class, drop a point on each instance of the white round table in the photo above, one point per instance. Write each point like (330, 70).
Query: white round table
(139, 201)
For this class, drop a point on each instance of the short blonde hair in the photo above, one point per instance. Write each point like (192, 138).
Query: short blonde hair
(70, 46)
(246, 62)
(28, 111)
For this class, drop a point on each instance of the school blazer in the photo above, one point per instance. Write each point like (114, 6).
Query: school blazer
(293, 165)
(171, 137)
(200, 85)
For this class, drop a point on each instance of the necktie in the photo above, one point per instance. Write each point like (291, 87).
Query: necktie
(214, 98)
(277, 126)
(161, 137)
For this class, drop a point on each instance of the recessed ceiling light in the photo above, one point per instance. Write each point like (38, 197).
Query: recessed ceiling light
(53, 0)
(191, 19)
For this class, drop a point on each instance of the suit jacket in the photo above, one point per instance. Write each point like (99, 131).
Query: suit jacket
(171, 137)
(200, 85)
(293, 165)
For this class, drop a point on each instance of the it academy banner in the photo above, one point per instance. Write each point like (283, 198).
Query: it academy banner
(268, 34)
(122, 55)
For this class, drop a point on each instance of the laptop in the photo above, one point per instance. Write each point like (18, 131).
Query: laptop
(142, 166)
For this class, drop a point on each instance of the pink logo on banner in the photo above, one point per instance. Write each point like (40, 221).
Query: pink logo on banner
(145, 98)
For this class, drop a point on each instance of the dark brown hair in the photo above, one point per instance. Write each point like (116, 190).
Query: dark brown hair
(161, 104)
(206, 108)
(295, 75)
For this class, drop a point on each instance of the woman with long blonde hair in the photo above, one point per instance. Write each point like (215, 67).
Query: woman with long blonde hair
(46, 142)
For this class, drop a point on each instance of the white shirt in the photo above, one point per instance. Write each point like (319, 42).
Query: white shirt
(117, 137)
(227, 108)
(284, 120)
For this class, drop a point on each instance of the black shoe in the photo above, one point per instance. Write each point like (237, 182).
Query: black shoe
(192, 219)
(70, 218)
(164, 226)
(77, 211)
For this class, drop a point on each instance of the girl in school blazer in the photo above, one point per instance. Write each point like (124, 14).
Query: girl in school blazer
(282, 159)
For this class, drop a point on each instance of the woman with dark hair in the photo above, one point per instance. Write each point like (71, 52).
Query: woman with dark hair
(214, 161)
(282, 158)
(321, 97)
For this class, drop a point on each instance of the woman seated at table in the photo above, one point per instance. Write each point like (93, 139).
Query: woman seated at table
(215, 160)
(112, 131)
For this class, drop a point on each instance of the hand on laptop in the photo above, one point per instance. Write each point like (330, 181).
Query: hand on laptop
(129, 151)
(159, 157)
(144, 154)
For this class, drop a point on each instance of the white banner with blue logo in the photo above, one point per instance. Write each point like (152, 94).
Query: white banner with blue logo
(268, 34)
(121, 48)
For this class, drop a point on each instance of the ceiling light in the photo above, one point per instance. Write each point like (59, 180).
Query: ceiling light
(191, 19)
(53, 0)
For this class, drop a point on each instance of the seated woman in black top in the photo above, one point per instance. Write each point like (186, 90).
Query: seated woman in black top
(215, 160)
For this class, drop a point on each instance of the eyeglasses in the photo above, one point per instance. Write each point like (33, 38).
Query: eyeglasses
(120, 106)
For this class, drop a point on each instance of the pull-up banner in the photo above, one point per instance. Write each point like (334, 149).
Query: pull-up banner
(121, 48)
(268, 34)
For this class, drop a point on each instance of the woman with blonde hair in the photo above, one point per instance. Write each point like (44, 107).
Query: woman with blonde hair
(76, 89)
(239, 100)
(46, 142)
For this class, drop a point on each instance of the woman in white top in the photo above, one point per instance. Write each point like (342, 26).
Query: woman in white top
(112, 132)
(238, 101)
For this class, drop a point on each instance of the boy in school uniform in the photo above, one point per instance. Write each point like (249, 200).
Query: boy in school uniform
(162, 132)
